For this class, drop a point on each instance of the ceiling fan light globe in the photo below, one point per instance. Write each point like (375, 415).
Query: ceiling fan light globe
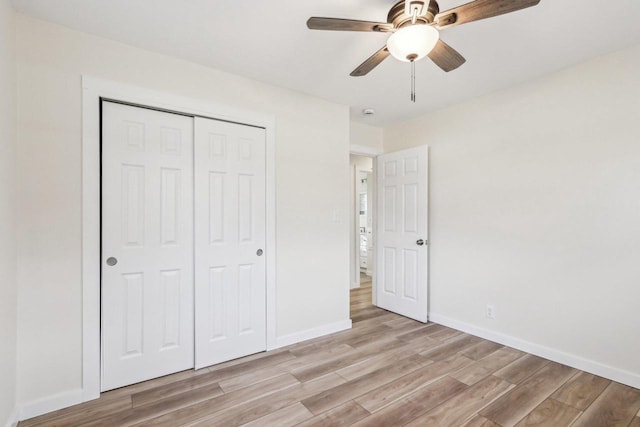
(413, 42)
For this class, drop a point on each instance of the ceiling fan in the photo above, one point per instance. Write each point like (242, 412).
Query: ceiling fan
(414, 27)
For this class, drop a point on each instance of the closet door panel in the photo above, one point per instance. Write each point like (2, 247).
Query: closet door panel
(229, 241)
(147, 244)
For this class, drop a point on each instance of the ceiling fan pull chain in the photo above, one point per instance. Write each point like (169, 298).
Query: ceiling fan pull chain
(413, 81)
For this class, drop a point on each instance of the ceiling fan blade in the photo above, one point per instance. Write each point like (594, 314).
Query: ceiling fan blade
(446, 57)
(480, 9)
(371, 63)
(337, 24)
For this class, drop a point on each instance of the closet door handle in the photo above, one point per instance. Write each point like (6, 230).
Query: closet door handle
(259, 252)
(111, 261)
(419, 242)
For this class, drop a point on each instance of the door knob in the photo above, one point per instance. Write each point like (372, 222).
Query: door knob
(259, 252)
(111, 261)
(419, 242)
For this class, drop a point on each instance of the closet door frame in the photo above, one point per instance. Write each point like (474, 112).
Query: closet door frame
(94, 91)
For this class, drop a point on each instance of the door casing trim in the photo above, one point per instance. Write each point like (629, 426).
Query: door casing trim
(93, 90)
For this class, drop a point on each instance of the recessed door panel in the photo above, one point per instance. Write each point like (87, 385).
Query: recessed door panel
(245, 210)
(171, 287)
(389, 270)
(169, 206)
(216, 207)
(217, 303)
(132, 314)
(410, 208)
(410, 274)
(389, 196)
(133, 205)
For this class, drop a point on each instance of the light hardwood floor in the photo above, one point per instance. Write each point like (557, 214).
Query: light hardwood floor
(386, 371)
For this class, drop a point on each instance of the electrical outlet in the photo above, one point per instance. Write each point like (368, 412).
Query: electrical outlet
(491, 312)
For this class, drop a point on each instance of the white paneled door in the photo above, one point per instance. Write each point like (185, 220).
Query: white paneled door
(230, 291)
(147, 244)
(401, 256)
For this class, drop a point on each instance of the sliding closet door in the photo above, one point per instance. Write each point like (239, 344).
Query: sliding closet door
(147, 244)
(229, 241)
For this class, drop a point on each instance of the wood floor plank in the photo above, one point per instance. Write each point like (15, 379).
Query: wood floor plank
(308, 359)
(193, 402)
(178, 387)
(312, 350)
(156, 382)
(378, 320)
(418, 332)
(481, 350)
(403, 386)
(521, 369)
(417, 403)
(373, 337)
(346, 337)
(321, 354)
(425, 343)
(449, 348)
(340, 416)
(442, 333)
(263, 358)
(79, 414)
(354, 388)
(479, 421)
(446, 334)
(463, 406)
(581, 390)
(550, 413)
(240, 368)
(487, 366)
(249, 411)
(250, 378)
(517, 403)
(400, 321)
(616, 406)
(288, 416)
(159, 407)
(376, 362)
(331, 364)
(368, 315)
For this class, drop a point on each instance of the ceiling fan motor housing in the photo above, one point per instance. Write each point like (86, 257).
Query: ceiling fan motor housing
(399, 18)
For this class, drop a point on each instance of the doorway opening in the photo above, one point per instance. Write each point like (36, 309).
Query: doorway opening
(362, 233)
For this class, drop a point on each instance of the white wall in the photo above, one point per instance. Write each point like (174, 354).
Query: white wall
(355, 163)
(365, 139)
(8, 286)
(312, 141)
(535, 209)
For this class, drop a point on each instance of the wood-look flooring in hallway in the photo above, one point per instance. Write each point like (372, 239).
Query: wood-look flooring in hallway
(386, 371)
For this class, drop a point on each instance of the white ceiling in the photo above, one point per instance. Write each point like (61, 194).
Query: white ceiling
(269, 41)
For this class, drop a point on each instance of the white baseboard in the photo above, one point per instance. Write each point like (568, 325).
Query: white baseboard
(12, 421)
(312, 333)
(50, 404)
(355, 285)
(625, 377)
